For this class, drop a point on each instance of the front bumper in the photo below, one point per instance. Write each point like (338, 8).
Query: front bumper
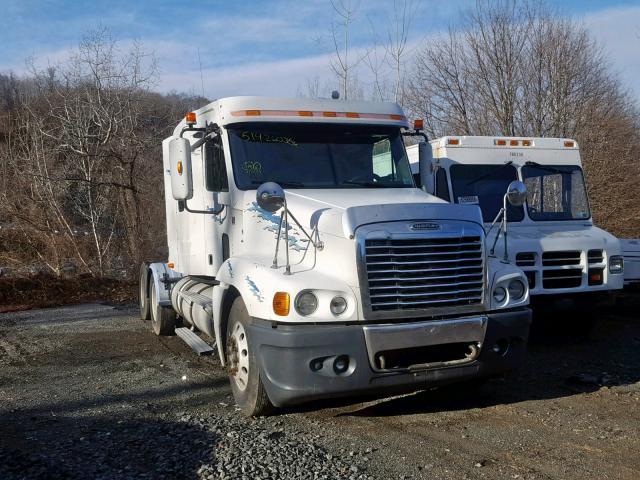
(288, 357)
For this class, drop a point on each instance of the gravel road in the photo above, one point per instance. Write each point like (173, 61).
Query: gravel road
(88, 391)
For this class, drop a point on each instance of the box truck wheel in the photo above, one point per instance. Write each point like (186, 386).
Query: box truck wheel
(242, 364)
(143, 293)
(163, 319)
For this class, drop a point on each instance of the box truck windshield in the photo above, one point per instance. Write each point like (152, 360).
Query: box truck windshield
(555, 192)
(318, 156)
(485, 185)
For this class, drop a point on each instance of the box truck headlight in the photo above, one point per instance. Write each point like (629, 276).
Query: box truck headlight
(338, 305)
(616, 264)
(499, 294)
(306, 303)
(516, 289)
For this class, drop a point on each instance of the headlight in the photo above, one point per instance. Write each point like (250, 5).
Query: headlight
(616, 264)
(516, 289)
(306, 303)
(499, 294)
(338, 305)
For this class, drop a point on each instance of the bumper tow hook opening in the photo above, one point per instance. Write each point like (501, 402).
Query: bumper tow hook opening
(474, 350)
(382, 361)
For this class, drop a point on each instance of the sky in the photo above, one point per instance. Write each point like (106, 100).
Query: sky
(258, 47)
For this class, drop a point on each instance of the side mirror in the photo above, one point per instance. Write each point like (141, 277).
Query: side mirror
(270, 196)
(425, 165)
(180, 164)
(517, 193)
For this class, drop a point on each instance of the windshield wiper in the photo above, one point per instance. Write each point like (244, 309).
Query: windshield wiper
(364, 184)
(489, 174)
(282, 184)
(547, 168)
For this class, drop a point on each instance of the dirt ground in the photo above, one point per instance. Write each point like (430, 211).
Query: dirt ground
(71, 377)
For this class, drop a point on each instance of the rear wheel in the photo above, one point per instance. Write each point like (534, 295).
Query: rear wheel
(242, 364)
(163, 319)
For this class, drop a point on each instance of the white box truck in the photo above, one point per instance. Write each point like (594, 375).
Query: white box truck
(300, 245)
(552, 236)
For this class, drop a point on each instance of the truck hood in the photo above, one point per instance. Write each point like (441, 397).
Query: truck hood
(341, 212)
(525, 238)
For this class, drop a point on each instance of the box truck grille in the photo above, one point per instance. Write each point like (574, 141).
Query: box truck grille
(424, 273)
(560, 259)
(595, 256)
(564, 278)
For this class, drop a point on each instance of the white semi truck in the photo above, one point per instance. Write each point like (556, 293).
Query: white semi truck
(552, 236)
(300, 245)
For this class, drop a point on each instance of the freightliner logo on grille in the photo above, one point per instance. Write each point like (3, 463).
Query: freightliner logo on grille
(426, 226)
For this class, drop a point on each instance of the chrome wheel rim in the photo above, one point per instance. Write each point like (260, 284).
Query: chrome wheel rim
(239, 356)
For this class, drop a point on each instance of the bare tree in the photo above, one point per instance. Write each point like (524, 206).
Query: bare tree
(514, 68)
(404, 11)
(341, 63)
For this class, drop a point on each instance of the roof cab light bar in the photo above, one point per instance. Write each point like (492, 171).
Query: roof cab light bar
(306, 113)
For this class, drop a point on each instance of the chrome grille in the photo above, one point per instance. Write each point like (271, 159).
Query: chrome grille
(424, 273)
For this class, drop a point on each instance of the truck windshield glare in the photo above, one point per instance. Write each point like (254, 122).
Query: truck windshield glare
(485, 185)
(555, 192)
(318, 156)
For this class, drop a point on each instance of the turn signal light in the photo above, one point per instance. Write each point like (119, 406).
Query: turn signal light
(179, 168)
(190, 118)
(281, 303)
(418, 124)
(170, 265)
(569, 144)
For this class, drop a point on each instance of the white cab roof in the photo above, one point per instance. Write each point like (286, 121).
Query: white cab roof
(254, 109)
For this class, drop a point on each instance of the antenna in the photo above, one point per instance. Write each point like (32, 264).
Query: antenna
(201, 78)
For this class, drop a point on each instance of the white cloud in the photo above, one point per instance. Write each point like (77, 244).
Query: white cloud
(273, 78)
(618, 31)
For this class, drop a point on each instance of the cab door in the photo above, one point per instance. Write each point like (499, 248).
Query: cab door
(216, 227)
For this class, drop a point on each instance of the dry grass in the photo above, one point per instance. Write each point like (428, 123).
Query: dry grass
(23, 293)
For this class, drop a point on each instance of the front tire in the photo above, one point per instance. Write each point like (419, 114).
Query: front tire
(163, 319)
(143, 293)
(242, 364)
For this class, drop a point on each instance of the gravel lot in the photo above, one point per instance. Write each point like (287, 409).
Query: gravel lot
(88, 391)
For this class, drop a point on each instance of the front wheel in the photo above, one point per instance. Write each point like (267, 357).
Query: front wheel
(242, 364)
(143, 293)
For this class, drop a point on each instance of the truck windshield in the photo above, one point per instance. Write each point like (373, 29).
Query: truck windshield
(485, 185)
(555, 192)
(318, 156)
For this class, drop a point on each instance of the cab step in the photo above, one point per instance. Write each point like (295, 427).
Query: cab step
(194, 341)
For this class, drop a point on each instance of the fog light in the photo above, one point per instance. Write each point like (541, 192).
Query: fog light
(341, 364)
(338, 305)
(516, 289)
(306, 303)
(316, 365)
(501, 346)
(499, 294)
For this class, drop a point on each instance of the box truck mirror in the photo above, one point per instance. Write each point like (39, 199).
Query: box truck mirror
(517, 193)
(180, 160)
